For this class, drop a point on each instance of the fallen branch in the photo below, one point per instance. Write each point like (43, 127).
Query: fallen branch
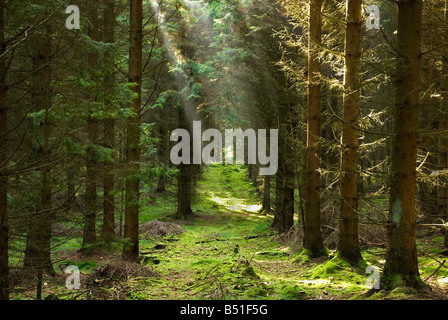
(435, 271)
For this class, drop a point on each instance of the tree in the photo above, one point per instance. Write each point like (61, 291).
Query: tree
(312, 233)
(401, 256)
(108, 229)
(132, 187)
(37, 252)
(348, 245)
(443, 140)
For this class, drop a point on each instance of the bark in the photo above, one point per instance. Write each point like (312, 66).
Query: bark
(37, 252)
(312, 232)
(184, 191)
(348, 245)
(131, 249)
(266, 204)
(284, 208)
(4, 265)
(401, 255)
(108, 228)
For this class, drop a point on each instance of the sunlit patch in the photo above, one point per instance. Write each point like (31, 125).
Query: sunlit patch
(234, 204)
(443, 281)
(315, 282)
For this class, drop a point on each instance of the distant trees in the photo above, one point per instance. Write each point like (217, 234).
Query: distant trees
(86, 115)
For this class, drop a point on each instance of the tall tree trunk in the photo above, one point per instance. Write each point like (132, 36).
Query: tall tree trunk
(37, 252)
(348, 245)
(108, 228)
(401, 255)
(45, 216)
(4, 265)
(131, 249)
(312, 232)
(443, 140)
(92, 129)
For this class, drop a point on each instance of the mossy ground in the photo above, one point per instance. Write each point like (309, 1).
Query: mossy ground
(228, 251)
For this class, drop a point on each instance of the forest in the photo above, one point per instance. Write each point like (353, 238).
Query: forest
(210, 150)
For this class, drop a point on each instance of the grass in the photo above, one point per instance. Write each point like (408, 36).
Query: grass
(228, 251)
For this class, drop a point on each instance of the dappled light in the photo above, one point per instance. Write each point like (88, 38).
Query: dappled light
(239, 151)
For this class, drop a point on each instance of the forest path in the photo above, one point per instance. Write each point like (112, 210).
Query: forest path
(229, 251)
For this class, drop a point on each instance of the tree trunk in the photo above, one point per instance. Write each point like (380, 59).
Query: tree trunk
(37, 252)
(131, 249)
(108, 228)
(348, 245)
(266, 204)
(184, 191)
(312, 233)
(92, 129)
(443, 140)
(401, 255)
(4, 265)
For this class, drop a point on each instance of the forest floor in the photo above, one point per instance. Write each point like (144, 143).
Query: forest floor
(226, 250)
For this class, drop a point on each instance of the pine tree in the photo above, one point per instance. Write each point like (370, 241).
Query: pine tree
(312, 232)
(401, 256)
(348, 245)
(131, 249)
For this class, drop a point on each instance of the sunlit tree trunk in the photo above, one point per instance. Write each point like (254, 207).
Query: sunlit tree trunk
(131, 249)
(401, 255)
(312, 232)
(4, 236)
(348, 245)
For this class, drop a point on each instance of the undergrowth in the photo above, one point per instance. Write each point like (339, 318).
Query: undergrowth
(226, 250)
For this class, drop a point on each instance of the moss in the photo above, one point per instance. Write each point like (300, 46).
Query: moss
(256, 292)
(291, 291)
(249, 271)
(303, 257)
(338, 267)
(393, 281)
(202, 262)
